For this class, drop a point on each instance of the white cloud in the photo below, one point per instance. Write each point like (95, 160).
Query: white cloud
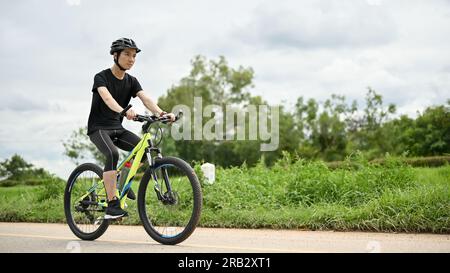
(73, 2)
(318, 24)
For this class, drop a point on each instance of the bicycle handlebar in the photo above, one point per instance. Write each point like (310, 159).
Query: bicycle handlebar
(124, 111)
(142, 118)
(164, 119)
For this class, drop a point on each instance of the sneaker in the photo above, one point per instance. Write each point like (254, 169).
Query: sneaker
(131, 195)
(114, 211)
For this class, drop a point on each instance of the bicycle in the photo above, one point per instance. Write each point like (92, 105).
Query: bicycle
(169, 213)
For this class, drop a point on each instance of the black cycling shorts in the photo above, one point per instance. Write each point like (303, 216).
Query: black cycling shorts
(107, 140)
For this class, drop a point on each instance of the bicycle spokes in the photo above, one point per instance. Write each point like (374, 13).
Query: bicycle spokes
(171, 203)
(87, 192)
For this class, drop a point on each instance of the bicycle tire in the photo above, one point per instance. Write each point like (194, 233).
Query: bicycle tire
(89, 236)
(197, 201)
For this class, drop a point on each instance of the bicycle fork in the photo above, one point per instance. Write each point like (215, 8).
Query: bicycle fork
(168, 197)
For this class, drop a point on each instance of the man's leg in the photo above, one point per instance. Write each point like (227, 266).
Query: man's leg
(127, 140)
(109, 179)
(103, 141)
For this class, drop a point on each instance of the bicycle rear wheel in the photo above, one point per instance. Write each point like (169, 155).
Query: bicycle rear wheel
(170, 206)
(82, 198)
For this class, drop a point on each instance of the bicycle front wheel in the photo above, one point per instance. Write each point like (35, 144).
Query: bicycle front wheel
(170, 200)
(83, 197)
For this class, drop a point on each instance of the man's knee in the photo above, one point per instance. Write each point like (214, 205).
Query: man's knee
(111, 161)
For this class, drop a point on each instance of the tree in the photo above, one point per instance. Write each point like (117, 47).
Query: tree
(305, 117)
(368, 134)
(217, 84)
(323, 133)
(430, 132)
(16, 168)
(289, 138)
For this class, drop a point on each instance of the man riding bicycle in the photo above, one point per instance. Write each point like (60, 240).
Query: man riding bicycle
(112, 92)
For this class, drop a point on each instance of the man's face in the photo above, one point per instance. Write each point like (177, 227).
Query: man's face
(127, 58)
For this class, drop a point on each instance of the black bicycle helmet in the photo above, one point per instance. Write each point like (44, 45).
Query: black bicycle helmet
(121, 44)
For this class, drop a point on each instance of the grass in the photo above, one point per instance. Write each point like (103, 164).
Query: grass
(392, 197)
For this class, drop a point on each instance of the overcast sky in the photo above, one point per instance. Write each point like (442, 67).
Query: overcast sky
(51, 50)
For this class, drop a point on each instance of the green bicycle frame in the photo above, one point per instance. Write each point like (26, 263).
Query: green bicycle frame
(137, 153)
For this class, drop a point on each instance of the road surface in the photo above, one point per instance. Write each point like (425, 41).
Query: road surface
(57, 238)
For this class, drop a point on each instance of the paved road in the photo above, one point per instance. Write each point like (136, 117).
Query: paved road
(27, 237)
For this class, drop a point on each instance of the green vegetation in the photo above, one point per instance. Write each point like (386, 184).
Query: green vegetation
(305, 194)
(293, 193)
(16, 171)
(431, 161)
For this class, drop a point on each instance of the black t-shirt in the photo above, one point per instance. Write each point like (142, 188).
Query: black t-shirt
(101, 116)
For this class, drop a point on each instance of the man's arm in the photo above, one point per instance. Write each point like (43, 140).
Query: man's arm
(112, 103)
(149, 103)
(152, 106)
(109, 100)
